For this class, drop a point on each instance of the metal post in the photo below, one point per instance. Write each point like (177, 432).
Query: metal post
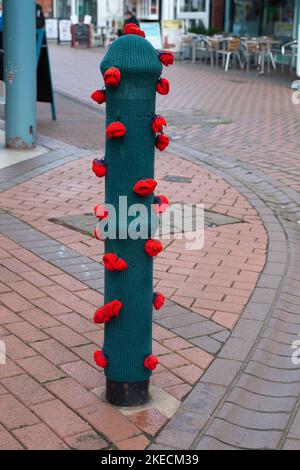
(227, 15)
(19, 34)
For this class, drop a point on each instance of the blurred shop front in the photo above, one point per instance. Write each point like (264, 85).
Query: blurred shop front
(101, 11)
(277, 18)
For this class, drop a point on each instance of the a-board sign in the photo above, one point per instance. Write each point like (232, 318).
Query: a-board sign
(44, 81)
(153, 33)
(64, 27)
(171, 30)
(81, 35)
(52, 28)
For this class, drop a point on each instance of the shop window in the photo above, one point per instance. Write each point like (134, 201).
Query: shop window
(246, 17)
(63, 9)
(87, 7)
(191, 6)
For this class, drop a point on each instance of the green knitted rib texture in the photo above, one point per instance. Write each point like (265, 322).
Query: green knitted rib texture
(128, 338)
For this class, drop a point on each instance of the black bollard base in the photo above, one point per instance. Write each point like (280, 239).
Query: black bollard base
(127, 393)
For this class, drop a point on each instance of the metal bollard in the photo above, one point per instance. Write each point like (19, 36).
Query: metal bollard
(131, 69)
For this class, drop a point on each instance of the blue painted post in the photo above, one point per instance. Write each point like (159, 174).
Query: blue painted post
(19, 34)
(227, 16)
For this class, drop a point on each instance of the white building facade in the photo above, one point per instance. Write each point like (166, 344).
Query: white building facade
(104, 12)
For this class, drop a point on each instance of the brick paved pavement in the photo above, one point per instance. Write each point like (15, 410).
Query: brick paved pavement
(246, 391)
(259, 120)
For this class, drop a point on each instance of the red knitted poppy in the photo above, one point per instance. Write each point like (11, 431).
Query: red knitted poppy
(166, 58)
(99, 96)
(100, 358)
(163, 86)
(161, 203)
(145, 187)
(99, 167)
(158, 300)
(151, 362)
(97, 234)
(157, 123)
(104, 314)
(153, 247)
(115, 130)
(113, 263)
(162, 141)
(100, 212)
(112, 76)
(132, 28)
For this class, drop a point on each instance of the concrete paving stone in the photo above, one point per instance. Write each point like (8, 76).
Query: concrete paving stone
(201, 329)
(252, 419)
(268, 388)
(95, 283)
(288, 307)
(256, 311)
(221, 336)
(204, 398)
(280, 336)
(222, 371)
(284, 326)
(85, 276)
(269, 281)
(272, 373)
(236, 348)
(274, 360)
(74, 261)
(243, 438)
(292, 296)
(275, 269)
(287, 317)
(273, 347)
(291, 444)
(180, 320)
(60, 255)
(263, 295)
(209, 443)
(294, 431)
(82, 268)
(182, 430)
(207, 343)
(247, 329)
(261, 403)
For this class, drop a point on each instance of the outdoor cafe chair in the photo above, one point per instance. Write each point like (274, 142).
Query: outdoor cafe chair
(250, 53)
(289, 52)
(230, 50)
(204, 46)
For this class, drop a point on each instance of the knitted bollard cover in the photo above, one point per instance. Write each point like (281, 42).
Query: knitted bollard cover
(131, 69)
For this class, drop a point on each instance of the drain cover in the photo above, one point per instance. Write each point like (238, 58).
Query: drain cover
(177, 179)
(85, 223)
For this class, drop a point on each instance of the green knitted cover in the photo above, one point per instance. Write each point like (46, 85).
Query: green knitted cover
(128, 338)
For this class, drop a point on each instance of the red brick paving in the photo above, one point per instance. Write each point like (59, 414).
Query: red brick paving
(45, 389)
